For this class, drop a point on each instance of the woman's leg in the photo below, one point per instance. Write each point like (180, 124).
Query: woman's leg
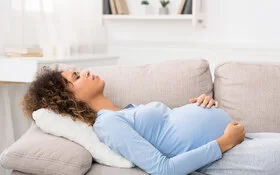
(259, 156)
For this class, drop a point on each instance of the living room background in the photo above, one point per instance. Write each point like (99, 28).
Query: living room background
(240, 30)
(231, 26)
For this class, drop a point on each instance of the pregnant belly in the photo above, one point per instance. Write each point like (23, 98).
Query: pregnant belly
(196, 126)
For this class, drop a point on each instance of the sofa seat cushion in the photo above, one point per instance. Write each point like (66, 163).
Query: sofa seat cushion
(249, 92)
(98, 169)
(106, 170)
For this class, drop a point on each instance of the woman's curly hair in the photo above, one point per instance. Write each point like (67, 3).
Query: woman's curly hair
(49, 90)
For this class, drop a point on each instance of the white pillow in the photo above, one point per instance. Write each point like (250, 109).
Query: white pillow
(81, 133)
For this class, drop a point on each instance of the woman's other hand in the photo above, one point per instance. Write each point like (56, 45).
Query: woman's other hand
(205, 100)
(234, 134)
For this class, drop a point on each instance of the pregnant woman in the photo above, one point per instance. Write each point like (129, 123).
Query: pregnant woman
(157, 139)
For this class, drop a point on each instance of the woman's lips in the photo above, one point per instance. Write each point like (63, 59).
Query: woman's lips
(94, 77)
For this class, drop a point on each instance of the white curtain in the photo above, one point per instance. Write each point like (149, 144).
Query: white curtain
(61, 28)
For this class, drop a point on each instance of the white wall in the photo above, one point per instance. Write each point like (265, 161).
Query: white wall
(244, 22)
(242, 30)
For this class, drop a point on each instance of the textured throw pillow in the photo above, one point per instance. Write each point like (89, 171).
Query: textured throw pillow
(36, 152)
(81, 133)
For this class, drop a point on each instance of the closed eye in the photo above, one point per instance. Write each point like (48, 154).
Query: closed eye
(77, 75)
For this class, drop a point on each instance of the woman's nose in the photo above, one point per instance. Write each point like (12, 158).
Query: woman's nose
(86, 74)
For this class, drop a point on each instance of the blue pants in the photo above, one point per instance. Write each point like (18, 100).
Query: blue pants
(259, 156)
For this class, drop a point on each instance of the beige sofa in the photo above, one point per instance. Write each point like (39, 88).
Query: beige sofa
(249, 92)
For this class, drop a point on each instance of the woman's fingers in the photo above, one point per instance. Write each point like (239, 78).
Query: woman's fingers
(200, 99)
(217, 104)
(193, 100)
(206, 101)
(211, 103)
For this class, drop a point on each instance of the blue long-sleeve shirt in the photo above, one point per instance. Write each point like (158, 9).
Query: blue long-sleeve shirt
(164, 141)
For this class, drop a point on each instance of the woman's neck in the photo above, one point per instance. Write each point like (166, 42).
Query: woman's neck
(101, 102)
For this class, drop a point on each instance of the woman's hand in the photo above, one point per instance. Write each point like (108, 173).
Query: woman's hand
(234, 134)
(205, 100)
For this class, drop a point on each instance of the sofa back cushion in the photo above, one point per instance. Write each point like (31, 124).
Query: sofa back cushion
(249, 92)
(171, 82)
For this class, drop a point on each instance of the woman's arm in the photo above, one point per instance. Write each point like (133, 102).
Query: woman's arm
(123, 139)
(233, 135)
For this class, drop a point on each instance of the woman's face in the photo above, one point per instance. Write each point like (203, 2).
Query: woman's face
(85, 86)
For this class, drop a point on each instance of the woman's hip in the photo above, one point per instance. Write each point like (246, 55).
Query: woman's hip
(257, 156)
